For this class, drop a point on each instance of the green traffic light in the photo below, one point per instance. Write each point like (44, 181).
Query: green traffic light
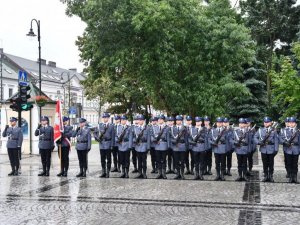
(26, 107)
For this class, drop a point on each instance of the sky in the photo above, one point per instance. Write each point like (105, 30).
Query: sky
(58, 31)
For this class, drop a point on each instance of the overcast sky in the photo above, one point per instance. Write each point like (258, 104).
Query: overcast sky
(58, 31)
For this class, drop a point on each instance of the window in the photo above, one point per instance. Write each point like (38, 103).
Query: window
(10, 92)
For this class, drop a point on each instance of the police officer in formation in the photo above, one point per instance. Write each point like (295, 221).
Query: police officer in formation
(290, 139)
(199, 146)
(115, 150)
(142, 134)
(124, 138)
(282, 132)
(208, 157)
(104, 134)
(153, 125)
(161, 138)
(189, 153)
(83, 146)
(171, 162)
(267, 139)
(46, 144)
(229, 147)
(65, 143)
(14, 136)
(133, 151)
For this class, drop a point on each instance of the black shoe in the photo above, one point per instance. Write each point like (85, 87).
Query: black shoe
(107, 174)
(114, 170)
(245, 178)
(229, 173)
(265, 179)
(296, 179)
(11, 173)
(290, 178)
(287, 175)
(192, 172)
(47, 173)
(153, 171)
(187, 172)
(164, 174)
(209, 171)
(123, 173)
(135, 170)
(239, 178)
(177, 177)
(42, 174)
(144, 175)
(271, 179)
(65, 174)
(84, 173)
(103, 174)
(196, 177)
(80, 173)
(16, 173)
(222, 176)
(60, 174)
(218, 177)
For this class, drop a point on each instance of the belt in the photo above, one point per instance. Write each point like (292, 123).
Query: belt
(45, 139)
(82, 142)
(15, 139)
(200, 142)
(181, 141)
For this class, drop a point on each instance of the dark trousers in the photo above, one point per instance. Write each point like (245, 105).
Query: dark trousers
(187, 159)
(208, 161)
(250, 160)
(13, 155)
(153, 158)
(285, 163)
(115, 154)
(124, 159)
(82, 157)
(179, 159)
(268, 163)
(242, 163)
(292, 163)
(199, 161)
(105, 155)
(228, 161)
(142, 161)
(161, 158)
(46, 158)
(134, 158)
(171, 161)
(220, 160)
(64, 158)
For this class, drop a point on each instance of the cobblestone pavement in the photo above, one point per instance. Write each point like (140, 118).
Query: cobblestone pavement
(29, 199)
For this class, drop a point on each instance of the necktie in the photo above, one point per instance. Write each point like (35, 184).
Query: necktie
(159, 128)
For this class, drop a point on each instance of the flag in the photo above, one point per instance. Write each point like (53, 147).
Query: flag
(58, 122)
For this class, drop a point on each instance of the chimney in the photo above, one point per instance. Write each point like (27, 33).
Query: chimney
(73, 70)
(52, 64)
(43, 61)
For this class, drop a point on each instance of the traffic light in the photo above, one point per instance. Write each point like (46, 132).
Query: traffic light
(16, 104)
(25, 106)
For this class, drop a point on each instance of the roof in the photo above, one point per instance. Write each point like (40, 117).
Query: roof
(49, 73)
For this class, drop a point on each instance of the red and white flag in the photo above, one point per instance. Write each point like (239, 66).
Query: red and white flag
(58, 122)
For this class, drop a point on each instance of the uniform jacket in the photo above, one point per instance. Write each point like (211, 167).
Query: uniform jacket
(183, 144)
(84, 139)
(143, 143)
(107, 132)
(220, 148)
(272, 143)
(164, 143)
(198, 145)
(126, 143)
(229, 136)
(243, 147)
(46, 137)
(15, 137)
(207, 141)
(67, 134)
(285, 137)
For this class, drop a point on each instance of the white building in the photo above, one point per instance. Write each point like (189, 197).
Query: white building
(57, 83)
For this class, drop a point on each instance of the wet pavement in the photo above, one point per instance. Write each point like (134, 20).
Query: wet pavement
(29, 199)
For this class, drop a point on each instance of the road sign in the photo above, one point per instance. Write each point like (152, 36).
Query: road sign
(23, 78)
(73, 110)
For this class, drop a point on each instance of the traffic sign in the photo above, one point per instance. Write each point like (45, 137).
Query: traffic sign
(23, 78)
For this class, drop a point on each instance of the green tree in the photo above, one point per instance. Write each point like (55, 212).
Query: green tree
(178, 56)
(286, 84)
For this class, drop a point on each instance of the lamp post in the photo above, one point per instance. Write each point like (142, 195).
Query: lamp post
(32, 34)
(69, 88)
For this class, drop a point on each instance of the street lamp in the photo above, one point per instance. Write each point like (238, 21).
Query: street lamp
(69, 87)
(32, 34)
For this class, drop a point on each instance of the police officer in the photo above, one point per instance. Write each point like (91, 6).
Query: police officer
(46, 144)
(241, 140)
(124, 138)
(208, 158)
(153, 122)
(170, 156)
(65, 142)
(229, 146)
(267, 139)
(218, 141)
(83, 146)
(105, 136)
(14, 144)
(252, 146)
(115, 151)
(290, 139)
(189, 153)
(161, 139)
(142, 134)
(282, 133)
(197, 140)
(133, 151)
(179, 140)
